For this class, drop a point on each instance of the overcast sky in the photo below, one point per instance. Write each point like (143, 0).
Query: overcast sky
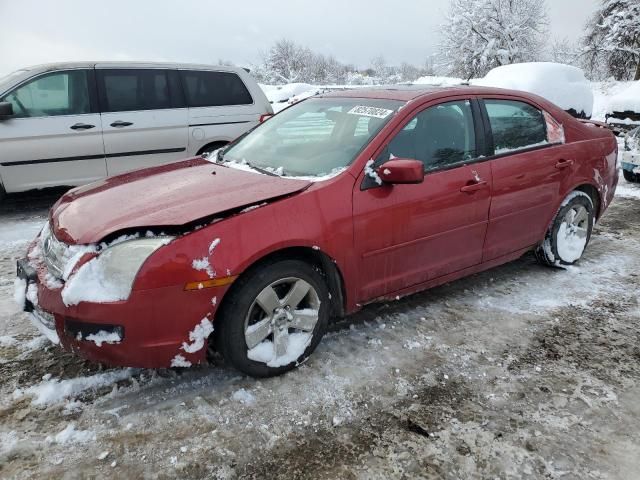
(354, 31)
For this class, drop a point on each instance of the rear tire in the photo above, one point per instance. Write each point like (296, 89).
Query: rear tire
(630, 176)
(570, 232)
(273, 318)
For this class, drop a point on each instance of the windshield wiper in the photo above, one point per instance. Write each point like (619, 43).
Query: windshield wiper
(220, 159)
(262, 170)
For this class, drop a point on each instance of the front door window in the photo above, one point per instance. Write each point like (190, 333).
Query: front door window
(59, 93)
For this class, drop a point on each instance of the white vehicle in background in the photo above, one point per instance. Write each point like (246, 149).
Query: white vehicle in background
(630, 156)
(623, 112)
(564, 85)
(74, 123)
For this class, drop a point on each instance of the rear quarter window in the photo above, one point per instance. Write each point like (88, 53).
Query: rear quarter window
(515, 125)
(214, 89)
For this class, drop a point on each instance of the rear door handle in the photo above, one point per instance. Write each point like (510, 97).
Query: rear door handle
(474, 187)
(120, 124)
(563, 164)
(81, 126)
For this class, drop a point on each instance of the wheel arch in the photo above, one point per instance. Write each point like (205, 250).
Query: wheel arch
(327, 266)
(594, 194)
(216, 143)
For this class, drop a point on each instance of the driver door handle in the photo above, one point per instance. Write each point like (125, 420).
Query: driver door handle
(120, 124)
(474, 187)
(81, 126)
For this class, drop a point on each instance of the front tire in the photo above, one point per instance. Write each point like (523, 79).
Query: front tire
(274, 318)
(569, 233)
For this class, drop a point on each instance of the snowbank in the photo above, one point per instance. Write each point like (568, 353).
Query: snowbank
(564, 85)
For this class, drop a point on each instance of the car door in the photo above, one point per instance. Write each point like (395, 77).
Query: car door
(409, 234)
(144, 120)
(55, 136)
(527, 169)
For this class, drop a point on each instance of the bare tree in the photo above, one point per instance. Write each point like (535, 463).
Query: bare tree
(479, 35)
(613, 39)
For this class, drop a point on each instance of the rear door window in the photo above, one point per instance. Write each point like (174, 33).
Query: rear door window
(59, 93)
(214, 89)
(515, 125)
(131, 90)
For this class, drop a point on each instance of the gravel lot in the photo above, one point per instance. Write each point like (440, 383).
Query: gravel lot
(518, 372)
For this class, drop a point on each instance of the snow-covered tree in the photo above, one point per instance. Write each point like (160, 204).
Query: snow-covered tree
(564, 51)
(479, 35)
(613, 39)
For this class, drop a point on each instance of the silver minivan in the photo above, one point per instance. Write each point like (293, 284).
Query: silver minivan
(73, 123)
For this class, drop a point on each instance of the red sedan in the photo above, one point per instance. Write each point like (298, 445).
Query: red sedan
(338, 201)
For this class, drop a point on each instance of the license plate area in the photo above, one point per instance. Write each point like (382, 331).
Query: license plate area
(26, 272)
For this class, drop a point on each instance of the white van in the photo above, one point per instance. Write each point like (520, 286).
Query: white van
(73, 123)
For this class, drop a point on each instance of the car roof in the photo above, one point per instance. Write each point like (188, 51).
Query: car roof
(127, 64)
(407, 93)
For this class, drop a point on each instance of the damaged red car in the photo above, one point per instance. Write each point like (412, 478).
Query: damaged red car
(340, 200)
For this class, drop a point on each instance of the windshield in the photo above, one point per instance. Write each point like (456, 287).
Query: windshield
(316, 137)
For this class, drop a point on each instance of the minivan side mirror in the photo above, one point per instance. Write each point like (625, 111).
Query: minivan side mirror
(6, 110)
(401, 170)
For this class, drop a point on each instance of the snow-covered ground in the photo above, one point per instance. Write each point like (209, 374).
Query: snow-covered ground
(518, 372)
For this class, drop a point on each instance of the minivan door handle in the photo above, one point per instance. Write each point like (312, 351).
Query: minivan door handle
(81, 126)
(120, 124)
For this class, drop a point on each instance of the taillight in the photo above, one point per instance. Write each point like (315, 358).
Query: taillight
(265, 117)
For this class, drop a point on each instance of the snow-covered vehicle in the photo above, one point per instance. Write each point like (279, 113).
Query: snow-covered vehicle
(623, 113)
(340, 200)
(564, 85)
(630, 157)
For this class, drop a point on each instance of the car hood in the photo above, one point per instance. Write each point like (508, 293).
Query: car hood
(171, 195)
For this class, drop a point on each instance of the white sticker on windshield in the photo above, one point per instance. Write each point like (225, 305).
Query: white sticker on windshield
(370, 111)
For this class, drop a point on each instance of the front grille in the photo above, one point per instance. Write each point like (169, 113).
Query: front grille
(54, 252)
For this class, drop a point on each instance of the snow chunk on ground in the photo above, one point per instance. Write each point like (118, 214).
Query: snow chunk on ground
(104, 337)
(370, 172)
(564, 85)
(244, 397)
(71, 435)
(264, 352)
(198, 336)
(54, 391)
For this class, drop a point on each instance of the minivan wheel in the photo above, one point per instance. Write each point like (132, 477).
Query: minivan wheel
(274, 318)
(630, 176)
(209, 149)
(570, 232)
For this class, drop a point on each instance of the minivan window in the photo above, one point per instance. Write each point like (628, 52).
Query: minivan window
(515, 125)
(59, 93)
(129, 90)
(213, 89)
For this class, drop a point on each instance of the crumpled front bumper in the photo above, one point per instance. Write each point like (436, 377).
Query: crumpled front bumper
(155, 323)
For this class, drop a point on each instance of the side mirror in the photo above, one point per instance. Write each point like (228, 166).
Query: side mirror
(6, 110)
(401, 170)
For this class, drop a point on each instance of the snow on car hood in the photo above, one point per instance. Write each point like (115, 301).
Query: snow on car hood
(167, 196)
